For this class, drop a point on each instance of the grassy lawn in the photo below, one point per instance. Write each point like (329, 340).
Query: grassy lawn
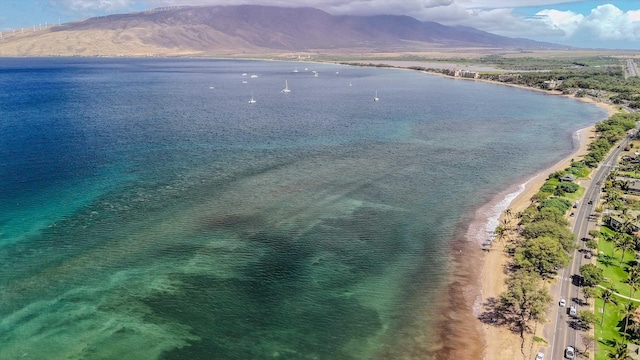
(607, 332)
(611, 267)
(576, 195)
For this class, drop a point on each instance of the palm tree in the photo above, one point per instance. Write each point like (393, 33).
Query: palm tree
(616, 239)
(607, 297)
(634, 271)
(613, 195)
(500, 234)
(628, 226)
(508, 213)
(627, 311)
(619, 351)
(625, 243)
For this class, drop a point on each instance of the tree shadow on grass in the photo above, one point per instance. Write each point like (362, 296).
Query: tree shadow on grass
(605, 260)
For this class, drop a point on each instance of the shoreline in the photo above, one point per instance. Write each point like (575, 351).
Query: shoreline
(500, 343)
(477, 276)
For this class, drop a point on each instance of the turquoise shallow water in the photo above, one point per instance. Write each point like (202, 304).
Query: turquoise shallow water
(149, 212)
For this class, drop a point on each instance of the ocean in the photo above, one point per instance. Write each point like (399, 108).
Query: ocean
(149, 211)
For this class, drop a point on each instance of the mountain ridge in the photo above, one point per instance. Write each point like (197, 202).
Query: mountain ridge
(249, 29)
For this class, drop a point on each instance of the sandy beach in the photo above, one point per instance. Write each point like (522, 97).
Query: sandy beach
(500, 343)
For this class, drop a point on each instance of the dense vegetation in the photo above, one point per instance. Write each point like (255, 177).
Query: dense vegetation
(601, 77)
(540, 241)
(610, 132)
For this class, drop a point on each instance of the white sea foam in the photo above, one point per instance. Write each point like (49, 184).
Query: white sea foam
(500, 207)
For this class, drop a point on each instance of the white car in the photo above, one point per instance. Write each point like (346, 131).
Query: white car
(573, 311)
(540, 356)
(563, 302)
(570, 353)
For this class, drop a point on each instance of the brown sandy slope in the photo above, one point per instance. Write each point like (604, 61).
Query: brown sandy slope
(243, 30)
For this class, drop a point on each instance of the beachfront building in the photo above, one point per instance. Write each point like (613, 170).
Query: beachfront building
(463, 73)
(617, 221)
(628, 184)
(469, 74)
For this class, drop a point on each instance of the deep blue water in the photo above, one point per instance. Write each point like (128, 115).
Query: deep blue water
(149, 212)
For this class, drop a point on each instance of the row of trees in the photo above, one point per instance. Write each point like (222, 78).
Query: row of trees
(540, 246)
(543, 241)
(600, 79)
(610, 131)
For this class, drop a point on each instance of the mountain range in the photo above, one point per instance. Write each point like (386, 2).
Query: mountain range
(247, 30)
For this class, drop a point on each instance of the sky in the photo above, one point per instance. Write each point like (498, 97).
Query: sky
(580, 23)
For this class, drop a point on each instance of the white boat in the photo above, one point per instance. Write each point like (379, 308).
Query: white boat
(244, 74)
(350, 84)
(315, 74)
(252, 100)
(376, 98)
(286, 87)
(306, 69)
(244, 81)
(337, 72)
(254, 76)
(296, 69)
(212, 87)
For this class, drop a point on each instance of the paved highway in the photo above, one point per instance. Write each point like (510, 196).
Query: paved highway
(631, 66)
(563, 333)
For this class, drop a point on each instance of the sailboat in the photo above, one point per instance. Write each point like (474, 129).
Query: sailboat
(252, 100)
(296, 69)
(375, 98)
(286, 87)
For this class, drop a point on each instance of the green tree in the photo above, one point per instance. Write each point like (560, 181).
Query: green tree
(524, 301)
(607, 297)
(549, 228)
(591, 245)
(500, 234)
(619, 351)
(561, 204)
(542, 255)
(616, 239)
(589, 292)
(552, 214)
(594, 234)
(627, 312)
(508, 213)
(587, 318)
(625, 244)
(591, 274)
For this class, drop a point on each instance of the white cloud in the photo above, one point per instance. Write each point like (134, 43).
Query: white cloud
(93, 6)
(494, 4)
(605, 22)
(567, 22)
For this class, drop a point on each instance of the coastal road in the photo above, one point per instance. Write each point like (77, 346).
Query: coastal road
(632, 67)
(563, 333)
